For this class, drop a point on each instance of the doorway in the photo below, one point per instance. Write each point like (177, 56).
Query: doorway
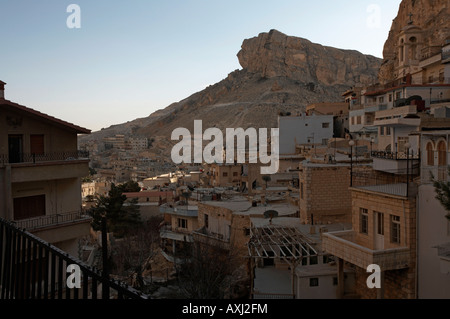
(15, 148)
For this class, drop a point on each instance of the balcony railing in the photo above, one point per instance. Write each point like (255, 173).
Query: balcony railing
(393, 155)
(51, 220)
(342, 244)
(40, 158)
(31, 268)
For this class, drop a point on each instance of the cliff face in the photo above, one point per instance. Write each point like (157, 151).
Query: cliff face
(431, 16)
(279, 73)
(276, 54)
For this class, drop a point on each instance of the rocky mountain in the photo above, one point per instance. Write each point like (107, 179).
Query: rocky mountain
(279, 73)
(431, 16)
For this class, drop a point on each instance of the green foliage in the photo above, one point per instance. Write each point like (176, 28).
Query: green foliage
(442, 189)
(122, 215)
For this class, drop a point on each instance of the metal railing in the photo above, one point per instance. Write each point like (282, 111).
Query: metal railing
(394, 155)
(15, 158)
(50, 220)
(31, 268)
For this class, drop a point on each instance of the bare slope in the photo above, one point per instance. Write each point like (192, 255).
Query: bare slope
(279, 73)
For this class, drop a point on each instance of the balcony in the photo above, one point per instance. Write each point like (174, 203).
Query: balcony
(29, 158)
(204, 236)
(342, 245)
(57, 227)
(33, 224)
(395, 162)
(18, 281)
(32, 167)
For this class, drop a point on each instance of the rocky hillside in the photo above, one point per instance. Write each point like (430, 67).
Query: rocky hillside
(432, 16)
(279, 73)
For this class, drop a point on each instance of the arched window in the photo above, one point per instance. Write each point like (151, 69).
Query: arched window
(402, 54)
(430, 154)
(442, 153)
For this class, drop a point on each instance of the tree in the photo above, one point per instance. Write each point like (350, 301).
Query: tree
(442, 189)
(209, 272)
(130, 253)
(121, 215)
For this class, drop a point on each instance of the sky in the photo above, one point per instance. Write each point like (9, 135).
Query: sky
(108, 62)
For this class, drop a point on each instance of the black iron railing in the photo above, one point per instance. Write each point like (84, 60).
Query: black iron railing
(31, 268)
(14, 158)
(393, 155)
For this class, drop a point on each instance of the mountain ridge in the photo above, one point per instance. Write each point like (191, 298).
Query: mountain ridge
(280, 73)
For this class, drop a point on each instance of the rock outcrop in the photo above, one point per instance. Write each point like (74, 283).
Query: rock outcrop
(276, 54)
(279, 73)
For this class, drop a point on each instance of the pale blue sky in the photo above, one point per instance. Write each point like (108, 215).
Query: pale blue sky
(133, 57)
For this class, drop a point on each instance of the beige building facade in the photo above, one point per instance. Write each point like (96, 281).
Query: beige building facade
(40, 175)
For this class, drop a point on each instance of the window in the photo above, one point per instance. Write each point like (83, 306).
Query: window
(352, 119)
(388, 131)
(381, 99)
(206, 217)
(225, 174)
(325, 125)
(364, 221)
(442, 154)
(37, 144)
(335, 281)
(15, 147)
(235, 174)
(358, 120)
(395, 229)
(380, 223)
(430, 154)
(398, 95)
(390, 97)
(182, 223)
(314, 282)
(381, 130)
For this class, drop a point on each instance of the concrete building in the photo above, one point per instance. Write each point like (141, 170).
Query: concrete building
(295, 130)
(176, 234)
(40, 175)
(383, 233)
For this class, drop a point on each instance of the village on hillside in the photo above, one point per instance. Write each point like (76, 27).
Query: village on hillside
(358, 208)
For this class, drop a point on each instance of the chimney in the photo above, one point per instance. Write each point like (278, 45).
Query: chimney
(2, 90)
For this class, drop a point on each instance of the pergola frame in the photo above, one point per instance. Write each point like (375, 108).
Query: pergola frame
(285, 242)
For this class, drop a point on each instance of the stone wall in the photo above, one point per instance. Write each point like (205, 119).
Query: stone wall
(325, 194)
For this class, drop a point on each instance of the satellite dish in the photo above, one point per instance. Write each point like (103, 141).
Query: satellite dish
(270, 214)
